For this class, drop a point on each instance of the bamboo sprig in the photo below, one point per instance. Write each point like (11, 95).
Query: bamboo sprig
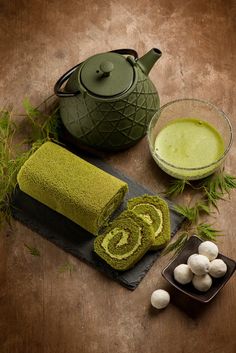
(176, 187)
(177, 245)
(213, 188)
(43, 127)
(67, 267)
(218, 186)
(32, 250)
(193, 213)
(189, 212)
(207, 232)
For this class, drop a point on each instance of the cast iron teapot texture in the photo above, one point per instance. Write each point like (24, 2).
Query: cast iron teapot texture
(109, 100)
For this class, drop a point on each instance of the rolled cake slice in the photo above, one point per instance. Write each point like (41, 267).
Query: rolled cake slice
(124, 242)
(71, 186)
(155, 212)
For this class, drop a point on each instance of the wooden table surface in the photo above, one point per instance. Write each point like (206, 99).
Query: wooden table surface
(43, 310)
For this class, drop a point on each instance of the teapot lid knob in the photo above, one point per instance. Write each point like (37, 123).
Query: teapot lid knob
(106, 67)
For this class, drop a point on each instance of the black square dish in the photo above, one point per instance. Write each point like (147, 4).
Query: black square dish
(191, 247)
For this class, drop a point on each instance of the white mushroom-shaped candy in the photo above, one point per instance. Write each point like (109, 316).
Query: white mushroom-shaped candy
(208, 249)
(183, 274)
(202, 283)
(199, 264)
(218, 268)
(160, 298)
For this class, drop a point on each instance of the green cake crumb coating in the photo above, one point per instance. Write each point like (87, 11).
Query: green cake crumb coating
(124, 242)
(71, 186)
(155, 212)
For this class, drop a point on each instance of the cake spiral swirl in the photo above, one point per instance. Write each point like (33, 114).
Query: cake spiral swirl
(125, 241)
(155, 212)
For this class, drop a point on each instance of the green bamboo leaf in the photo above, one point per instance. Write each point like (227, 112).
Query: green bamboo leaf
(206, 232)
(30, 110)
(7, 127)
(217, 185)
(176, 187)
(189, 212)
(66, 267)
(221, 185)
(213, 197)
(203, 207)
(177, 245)
(12, 156)
(229, 182)
(4, 120)
(32, 250)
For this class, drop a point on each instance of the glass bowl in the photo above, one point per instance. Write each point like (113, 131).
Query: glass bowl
(212, 136)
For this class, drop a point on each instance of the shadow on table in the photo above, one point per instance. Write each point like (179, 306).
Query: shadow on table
(192, 308)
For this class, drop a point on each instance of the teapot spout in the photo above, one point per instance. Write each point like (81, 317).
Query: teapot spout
(147, 61)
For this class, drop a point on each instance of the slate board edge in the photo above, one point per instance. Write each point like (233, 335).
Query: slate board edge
(18, 215)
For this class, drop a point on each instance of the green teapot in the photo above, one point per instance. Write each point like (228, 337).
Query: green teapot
(109, 100)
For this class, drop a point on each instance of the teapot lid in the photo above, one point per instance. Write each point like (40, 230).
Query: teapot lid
(107, 74)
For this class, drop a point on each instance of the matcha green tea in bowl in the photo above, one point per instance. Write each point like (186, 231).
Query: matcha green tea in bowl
(189, 138)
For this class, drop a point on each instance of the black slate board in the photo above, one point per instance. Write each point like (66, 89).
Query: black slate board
(77, 241)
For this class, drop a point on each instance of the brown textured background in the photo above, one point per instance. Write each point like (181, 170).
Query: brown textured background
(45, 311)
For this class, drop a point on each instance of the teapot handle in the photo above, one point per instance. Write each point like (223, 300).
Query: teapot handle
(65, 77)
(62, 80)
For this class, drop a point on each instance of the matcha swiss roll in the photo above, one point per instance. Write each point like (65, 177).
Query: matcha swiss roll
(155, 212)
(124, 241)
(71, 186)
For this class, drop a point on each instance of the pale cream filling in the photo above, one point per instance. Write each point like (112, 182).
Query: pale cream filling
(148, 218)
(122, 241)
(159, 229)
